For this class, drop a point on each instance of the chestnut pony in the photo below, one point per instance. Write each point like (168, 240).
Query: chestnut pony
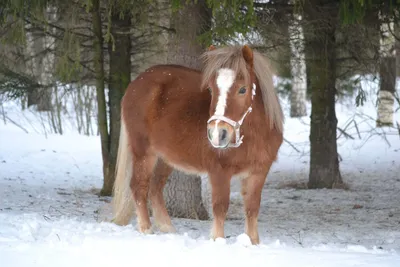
(225, 121)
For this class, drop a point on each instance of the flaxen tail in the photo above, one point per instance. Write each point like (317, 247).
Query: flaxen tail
(123, 204)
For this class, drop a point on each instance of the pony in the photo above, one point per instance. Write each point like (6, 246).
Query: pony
(224, 121)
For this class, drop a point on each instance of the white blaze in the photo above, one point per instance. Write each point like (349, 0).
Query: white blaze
(225, 79)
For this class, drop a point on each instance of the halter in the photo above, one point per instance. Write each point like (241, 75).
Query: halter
(236, 124)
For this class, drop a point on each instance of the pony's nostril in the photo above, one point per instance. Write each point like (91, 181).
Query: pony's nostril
(224, 134)
(209, 134)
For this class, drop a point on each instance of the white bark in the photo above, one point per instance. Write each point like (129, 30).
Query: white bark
(385, 108)
(298, 69)
(40, 65)
(387, 75)
(31, 63)
(46, 76)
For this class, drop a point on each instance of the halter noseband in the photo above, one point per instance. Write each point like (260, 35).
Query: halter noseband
(236, 124)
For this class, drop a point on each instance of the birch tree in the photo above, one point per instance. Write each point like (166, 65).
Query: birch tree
(40, 64)
(387, 72)
(298, 67)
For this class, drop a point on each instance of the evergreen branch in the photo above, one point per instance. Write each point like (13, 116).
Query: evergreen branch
(13, 83)
(56, 27)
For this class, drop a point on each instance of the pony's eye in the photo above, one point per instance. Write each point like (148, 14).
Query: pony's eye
(209, 90)
(242, 90)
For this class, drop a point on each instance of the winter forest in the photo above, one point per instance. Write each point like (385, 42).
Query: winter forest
(331, 198)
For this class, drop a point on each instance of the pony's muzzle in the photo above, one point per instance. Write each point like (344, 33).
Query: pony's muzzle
(219, 134)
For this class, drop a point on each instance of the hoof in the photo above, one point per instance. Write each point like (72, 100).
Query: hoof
(255, 240)
(216, 234)
(167, 228)
(145, 230)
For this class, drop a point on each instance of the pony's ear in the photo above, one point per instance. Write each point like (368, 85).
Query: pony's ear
(247, 54)
(211, 48)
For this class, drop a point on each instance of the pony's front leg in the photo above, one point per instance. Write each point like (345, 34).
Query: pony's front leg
(251, 191)
(220, 188)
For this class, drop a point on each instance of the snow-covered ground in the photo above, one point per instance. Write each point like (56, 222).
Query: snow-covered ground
(50, 214)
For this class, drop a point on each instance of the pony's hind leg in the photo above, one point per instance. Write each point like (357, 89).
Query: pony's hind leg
(157, 184)
(143, 170)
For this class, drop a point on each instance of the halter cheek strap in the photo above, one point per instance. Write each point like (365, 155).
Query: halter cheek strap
(236, 124)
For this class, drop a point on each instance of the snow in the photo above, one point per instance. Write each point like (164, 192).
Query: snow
(51, 215)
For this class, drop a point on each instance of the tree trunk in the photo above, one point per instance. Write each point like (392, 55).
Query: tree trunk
(324, 163)
(99, 74)
(298, 69)
(387, 74)
(183, 197)
(46, 75)
(37, 66)
(119, 76)
(183, 192)
(189, 22)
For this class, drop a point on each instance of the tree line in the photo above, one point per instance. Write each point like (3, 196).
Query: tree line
(317, 44)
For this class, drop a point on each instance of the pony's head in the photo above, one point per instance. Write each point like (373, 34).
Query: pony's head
(231, 76)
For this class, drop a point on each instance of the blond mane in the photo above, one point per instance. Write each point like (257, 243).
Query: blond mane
(231, 57)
